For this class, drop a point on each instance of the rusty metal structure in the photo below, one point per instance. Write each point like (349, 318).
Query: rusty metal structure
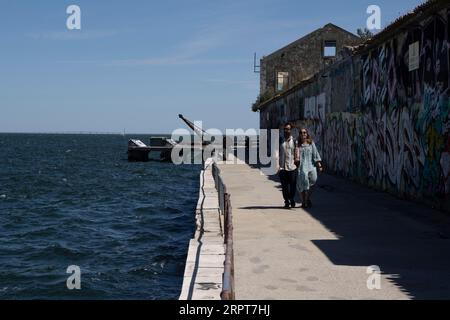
(228, 289)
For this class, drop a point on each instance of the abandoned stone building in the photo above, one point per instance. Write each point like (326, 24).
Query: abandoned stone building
(380, 111)
(304, 57)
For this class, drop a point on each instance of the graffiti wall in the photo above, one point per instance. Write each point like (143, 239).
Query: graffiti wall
(400, 139)
(381, 117)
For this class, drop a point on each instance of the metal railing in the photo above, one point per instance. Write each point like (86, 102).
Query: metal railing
(226, 210)
(220, 187)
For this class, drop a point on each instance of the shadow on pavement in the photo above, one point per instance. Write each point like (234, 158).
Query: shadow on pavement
(409, 242)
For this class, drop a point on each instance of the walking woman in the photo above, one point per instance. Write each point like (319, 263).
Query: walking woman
(308, 160)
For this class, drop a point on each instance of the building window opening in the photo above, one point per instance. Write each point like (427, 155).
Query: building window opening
(329, 49)
(282, 80)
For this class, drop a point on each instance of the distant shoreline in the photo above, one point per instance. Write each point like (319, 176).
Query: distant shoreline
(97, 133)
(89, 133)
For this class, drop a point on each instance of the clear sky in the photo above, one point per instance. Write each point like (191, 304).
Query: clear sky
(136, 64)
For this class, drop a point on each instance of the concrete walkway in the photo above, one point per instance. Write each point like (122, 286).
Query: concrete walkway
(324, 252)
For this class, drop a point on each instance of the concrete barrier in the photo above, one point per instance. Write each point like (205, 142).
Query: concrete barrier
(206, 255)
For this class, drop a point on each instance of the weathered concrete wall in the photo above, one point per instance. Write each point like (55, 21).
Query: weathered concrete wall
(378, 123)
(204, 268)
(304, 57)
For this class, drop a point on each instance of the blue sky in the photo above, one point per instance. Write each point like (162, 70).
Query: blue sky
(136, 64)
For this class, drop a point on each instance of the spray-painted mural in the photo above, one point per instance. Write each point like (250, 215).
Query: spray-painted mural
(399, 140)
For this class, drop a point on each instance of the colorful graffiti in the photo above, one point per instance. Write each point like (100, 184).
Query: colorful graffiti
(399, 138)
(314, 115)
(402, 132)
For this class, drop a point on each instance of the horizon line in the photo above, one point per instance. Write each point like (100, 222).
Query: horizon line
(81, 132)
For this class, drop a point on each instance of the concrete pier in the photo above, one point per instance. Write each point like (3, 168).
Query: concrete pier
(206, 255)
(324, 252)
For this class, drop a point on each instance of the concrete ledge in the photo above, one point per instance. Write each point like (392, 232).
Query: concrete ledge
(206, 254)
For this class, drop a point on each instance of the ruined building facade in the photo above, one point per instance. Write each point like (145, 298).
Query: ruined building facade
(380, 113)
(303, 58)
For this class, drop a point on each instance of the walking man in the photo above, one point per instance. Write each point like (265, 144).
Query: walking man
(287, 167)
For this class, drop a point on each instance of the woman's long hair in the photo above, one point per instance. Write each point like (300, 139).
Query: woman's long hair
(308, 137)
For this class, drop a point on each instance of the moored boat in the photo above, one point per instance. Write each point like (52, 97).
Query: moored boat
(137, 150)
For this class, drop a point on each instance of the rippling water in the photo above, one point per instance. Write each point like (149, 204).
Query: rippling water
(75, 200)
